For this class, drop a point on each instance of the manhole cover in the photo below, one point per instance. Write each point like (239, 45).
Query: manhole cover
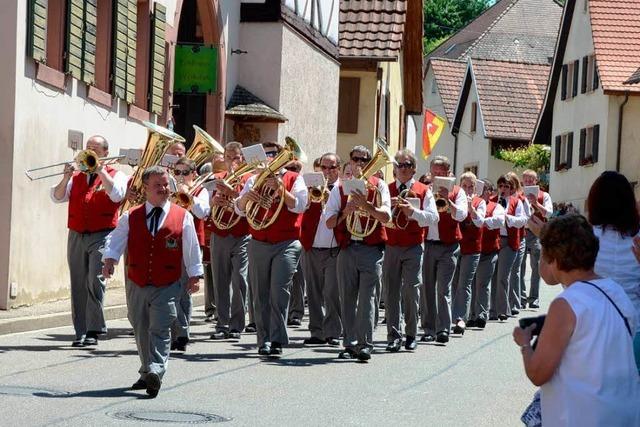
(169, 417)
(30, 391)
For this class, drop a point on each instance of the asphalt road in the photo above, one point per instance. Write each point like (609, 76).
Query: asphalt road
(476, 380)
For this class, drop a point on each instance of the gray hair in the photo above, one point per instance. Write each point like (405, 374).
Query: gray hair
(334, 155)
(405, 152)
(233, 145)
(100, 140)
(441, 161)
(361, 149)
(153, 170)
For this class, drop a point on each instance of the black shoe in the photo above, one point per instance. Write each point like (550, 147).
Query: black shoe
(153, 384)
(502, 317)
(313, 340)
(276, 349)
(234, 335)
(294, 322)
(471, 324)
(264, 350)
(427, 338)
(384, 321)
(139, 385)
(91, 338)
(394, 346)
(364, 354)
(333, 341)
(523, 305)
(208, 318)
(410, 343)
(219, 335)
(347, 353)
(442, 337)
(381, 305)
(77, 343)
(459, 327)
(181, 343)
(481, 323)
(251, 328)
(174, 345)
(534, 305)
(515, 312)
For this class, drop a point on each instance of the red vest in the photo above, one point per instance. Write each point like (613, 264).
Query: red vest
(514, 235)
(448, 228)
(91, 210)
(155, 260)
(471, 242)
(541, 202)
(413, 234)
(490, 238)
(310, 220)
(343, 237)
(287, 225)
(241, 228)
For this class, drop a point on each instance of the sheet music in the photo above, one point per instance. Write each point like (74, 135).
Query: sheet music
(350, 185)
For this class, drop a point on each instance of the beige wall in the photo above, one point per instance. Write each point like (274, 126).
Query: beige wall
(392, 76)
(630, 151)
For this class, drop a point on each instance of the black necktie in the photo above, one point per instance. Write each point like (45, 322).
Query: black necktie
(503, 202)
(155, 219)
(92, 178)
(330, 187)
(402, 188)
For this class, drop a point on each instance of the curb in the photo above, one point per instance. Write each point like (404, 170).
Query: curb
(56, 320)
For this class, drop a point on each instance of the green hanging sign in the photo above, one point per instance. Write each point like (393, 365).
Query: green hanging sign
(196, 69)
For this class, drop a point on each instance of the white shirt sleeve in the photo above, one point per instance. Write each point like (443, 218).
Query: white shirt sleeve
(548, 205)
(481, 210)
(518, 220)
(119, 189)
(333, 204)
(116, 241)
(247, 186)
(497, 219)
(300, 192)
(461, 206)
(191, 256)
(66, 193)
(427, 215)
(527, 209)
(201, 208)
(385, 197)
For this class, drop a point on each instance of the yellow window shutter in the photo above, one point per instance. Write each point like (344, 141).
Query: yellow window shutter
(156, 84)
(37, 30)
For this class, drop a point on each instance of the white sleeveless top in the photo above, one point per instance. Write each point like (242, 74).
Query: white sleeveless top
(597, 381)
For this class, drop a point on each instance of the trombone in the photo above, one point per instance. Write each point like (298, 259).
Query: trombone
(87, 161)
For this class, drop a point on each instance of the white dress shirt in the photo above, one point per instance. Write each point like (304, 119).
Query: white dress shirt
(518, 220)
(324, 237)
(460, 214)
(116, 194)
(116, 241)
(299, 192)
(481, 211)
(427, 215)
(496, 220)
(201, 208)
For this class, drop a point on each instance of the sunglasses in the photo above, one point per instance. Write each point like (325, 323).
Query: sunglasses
(504, 186)
(323, 167)
(271, 153)
(406, 165)
(178, 172)
(357, 159)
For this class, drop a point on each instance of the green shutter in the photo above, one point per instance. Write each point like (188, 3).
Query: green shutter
(124, 49)
(90, 30)
(37, 30)
(75, 36)
(156, 83)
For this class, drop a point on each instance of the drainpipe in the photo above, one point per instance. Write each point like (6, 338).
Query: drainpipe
(620, 120)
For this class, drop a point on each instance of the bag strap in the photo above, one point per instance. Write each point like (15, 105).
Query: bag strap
(626, 322)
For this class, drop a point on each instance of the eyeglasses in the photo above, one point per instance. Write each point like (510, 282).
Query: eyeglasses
(271, 153)
(323, 167)
(357, 159)
(406, 165)
(178, 172)
(504, 186)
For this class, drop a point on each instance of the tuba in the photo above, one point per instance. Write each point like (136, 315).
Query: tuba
(202, 147)
(262, 215)
(158, 140)
(355, 220)
(225, 217)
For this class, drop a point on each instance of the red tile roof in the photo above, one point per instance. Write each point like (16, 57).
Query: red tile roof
(449, 74)
(616, 37)
(371, 28)
(511, 96)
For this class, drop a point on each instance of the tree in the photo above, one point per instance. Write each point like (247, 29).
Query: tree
(535, 156)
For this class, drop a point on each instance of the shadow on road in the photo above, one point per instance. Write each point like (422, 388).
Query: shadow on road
(110, 392)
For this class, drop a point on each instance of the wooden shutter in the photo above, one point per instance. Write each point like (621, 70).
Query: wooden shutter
(402, 138)
(596, 80)
(37, 30)
(474, 116)
(576, 75)
(563, 96)
(80, 52)
(156, 84)
(349, 104)
(124, 49)
(596, 142)
(583, 143)
(585, 72)
(90, 39)
(570, 150)
(558, 151)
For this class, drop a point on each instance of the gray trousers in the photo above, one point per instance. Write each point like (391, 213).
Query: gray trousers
(514, 279)
(359, 270)
(87, 285)
(402, 278)
(319, 267)
(463, 286)
(296, 305)
(500, 281)
(230, 264)
(439, 266)
(151, 312)
(482, 290)
(271, 269)
(184, 309)
(209, 293)
(533, 248)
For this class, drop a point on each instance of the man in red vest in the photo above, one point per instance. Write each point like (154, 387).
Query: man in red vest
(542, 207)
(441, 251)
(402, 266)
(319, 259)
(359, 263)
(160, 239)
(94, 200)
(229, 260)
(274, 253)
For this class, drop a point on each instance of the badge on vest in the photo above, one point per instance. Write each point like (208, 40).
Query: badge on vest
(172, 243)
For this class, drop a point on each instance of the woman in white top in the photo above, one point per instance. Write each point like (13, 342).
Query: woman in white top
(584, 357)
(611, 209)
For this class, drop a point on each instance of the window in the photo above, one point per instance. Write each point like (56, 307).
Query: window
(103, 45)
(348, 104)
(471, 167)
(564, 151)
(570, 74)
(402, 120)
(585, 6)
(434, 87)
(474, 116)
(589, 145)
(589, 74)
(55, 28)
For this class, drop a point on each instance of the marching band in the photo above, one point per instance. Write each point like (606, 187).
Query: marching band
(450, 255)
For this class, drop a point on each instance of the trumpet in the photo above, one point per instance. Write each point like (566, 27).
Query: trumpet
(87, 161)
(319, 194)
(225, 217)
(396, 212)
(442, 204)
(184, 199)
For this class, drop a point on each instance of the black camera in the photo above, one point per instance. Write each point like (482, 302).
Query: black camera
(528, 321)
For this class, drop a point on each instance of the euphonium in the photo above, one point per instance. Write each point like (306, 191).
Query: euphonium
(261, 215)
(354, 220)
(158, 140)
(225, 217)
(202, 147)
